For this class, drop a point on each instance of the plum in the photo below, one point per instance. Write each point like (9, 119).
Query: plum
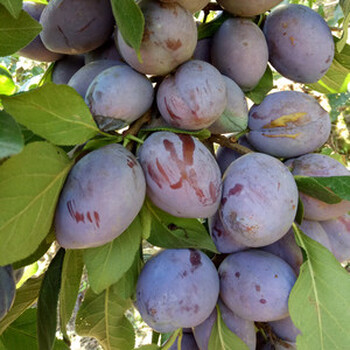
(190, 5)
(82, 78)
(194, 97)
(202, 50)
(108, 51)
(259, 199)
(65, 68)
(242, 328)
(244, 8)
(7, 289)
(169, 39)
(76, 26)
(119, 93)
(223, 240)
(239, 51)
(256, 285)
(187, 343)
(285, 329)
(182, 176)
(36, 50)
(225, 156)
(102, 195)
(301, 45)
(177, 288)
(288, 124)
(338, 231)
(315, 164)
(234, 119)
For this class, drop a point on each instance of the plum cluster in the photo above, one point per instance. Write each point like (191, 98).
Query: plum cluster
(250, 200)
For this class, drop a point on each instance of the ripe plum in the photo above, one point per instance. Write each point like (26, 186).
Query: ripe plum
(244, 8)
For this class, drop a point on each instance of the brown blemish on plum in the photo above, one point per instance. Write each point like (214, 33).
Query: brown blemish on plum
(236, 190)
(89, 216)
(131, 162)
(262, 301)
(188, 147)
(257, 288)
(86, 25)
(184, 274)
(213, 192)
(223, 275)
(218, 231)
(64, 35)
(153, 175)
(195, 259)
(97, 218)
(223, 200)
(78, 217)
(152, 311)
(328, 59)
(276, 276)
(278, 186)
(284, 25)
(171, 113)
(345, 222)
(237, 274)
(173, 44)
(255, 115)
(292, 40)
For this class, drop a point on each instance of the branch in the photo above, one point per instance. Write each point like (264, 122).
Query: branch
(229, 143)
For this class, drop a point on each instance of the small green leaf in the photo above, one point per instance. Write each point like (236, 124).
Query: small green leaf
(168, 231)
(47, 302)
(222, 338)
(14, 7)
(102, 316)
(7, 85)
(340, 185)
(72, 271)
(30, 184)
(11, 139)
(108, 263)
(300, 212)
(16, 33)
(265, 84)
(130, 22)
(146, 221)
(318, 303)
(25, 297)
(55, 112)
(148, 347)
(207, 30)
(312, 186)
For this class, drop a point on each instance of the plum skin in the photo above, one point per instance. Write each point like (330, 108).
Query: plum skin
(102, 195)
(177, 288)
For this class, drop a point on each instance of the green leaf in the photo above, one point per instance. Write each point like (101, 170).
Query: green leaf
(14, 7)
(340, 185)
(108, 263)
(319, 304)
(11, 139)
(72, 271)
(345, 5)
(168, 231)
(265, 84)
(16, 33)
(208, 29)
(222, 338)
(130, 22)
(102, 316)
(7, 85)
(55, 112)
(148, 347)
(313, 187)
(22, 334)
(40, 251)
(339, 103)
(25, 297)
(30, 184)
(47, 302)
(146, 221)
(300, 212)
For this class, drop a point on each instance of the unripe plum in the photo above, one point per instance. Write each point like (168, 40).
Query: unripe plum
(65, 68)
(315, 164)
(338, 231)
(102, 195)
(285, 329)
(194, 97)
(169, 39)
(182, 176)
(256, 285)
(244, 8)
(225, 156)
(120, 93)
(7, 289)
(259, 199)
(300, 43)
(239, 51)
(82, 78)
(76, 26)
(190, 5)
(234, 119)
(36, 50)
(177, 288)
(242, 328)
(288, 124)
(223, 240)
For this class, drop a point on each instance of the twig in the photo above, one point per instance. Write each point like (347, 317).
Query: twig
(229, 143)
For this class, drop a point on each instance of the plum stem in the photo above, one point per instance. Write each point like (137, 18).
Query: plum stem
(229, 143)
